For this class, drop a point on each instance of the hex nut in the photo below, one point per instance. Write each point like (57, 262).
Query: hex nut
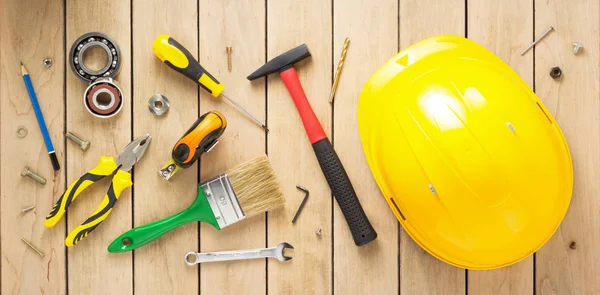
(555, 72)
(47, 62)
(158, 104)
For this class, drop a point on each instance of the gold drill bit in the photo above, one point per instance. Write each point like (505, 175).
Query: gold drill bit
(336, 79)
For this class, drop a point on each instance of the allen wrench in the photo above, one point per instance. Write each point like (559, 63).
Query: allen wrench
(306, 193)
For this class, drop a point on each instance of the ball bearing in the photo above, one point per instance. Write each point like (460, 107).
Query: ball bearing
(91, 40)
(103, 98)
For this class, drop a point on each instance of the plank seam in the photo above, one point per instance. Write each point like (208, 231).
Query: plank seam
(65, 155)
(266, 137)
(332, 230)
(131, 137)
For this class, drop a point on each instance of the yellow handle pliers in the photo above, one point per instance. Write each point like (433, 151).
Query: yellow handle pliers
(120, 181)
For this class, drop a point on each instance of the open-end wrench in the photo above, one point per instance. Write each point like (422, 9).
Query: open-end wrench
(193, 258)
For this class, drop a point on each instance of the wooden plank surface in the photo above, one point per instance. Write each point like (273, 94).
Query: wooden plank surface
(30, 37)
(157, 265)
(365, 24)
(89, 265)
(573, 101)
(259, 30)
(421, 273)
(241, 26)
(505, 28)
(291, 23)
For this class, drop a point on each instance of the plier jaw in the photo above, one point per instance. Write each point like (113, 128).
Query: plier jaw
(133, 152)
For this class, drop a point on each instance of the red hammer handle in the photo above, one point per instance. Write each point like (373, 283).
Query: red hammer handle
(360, 227)
(313, 127)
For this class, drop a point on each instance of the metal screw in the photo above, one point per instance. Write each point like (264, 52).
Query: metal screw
(318, 232)
(83, 144)
(537, 40)
(47, 62)
(577, 45)
(573, 246)
(33, 175)
(228, 50)
(33, 247)
(26, 209)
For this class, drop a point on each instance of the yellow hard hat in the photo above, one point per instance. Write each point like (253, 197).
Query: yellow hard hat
(473, 165)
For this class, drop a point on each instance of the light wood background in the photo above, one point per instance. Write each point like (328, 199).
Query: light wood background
(259, 30)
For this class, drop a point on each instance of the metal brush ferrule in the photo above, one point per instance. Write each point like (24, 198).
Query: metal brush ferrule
(223, 201)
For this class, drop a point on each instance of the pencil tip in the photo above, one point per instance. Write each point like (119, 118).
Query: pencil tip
(23, 69)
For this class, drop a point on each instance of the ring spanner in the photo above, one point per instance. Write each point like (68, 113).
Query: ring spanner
(274, 252)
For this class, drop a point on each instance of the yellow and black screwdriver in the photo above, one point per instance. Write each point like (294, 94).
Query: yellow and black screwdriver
(181, 60)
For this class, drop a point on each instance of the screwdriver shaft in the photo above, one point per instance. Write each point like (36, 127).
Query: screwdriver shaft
(245, 112)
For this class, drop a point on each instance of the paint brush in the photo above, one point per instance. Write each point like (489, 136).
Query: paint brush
(245, 191)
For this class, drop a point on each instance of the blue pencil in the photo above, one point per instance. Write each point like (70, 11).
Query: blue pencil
(40, 119)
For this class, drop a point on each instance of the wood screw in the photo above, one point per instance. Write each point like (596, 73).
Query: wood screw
(33, 247)
(228, 50)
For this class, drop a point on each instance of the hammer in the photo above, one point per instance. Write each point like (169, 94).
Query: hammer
(361, 228)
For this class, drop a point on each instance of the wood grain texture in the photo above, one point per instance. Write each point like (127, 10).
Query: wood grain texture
(29, 32)
(241, 26)
(505, 28)
(259, 30)
(421, 273)
(365, 24)
(573, 101)
(290, 24)
(89, 263)
(159, 267)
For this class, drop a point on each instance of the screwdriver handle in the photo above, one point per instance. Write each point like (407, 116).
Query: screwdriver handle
(181, 60)
(199, 138)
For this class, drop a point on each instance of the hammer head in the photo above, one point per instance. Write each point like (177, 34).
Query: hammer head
(281, 62)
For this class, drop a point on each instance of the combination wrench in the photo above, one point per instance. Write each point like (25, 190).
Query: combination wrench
(193, 258)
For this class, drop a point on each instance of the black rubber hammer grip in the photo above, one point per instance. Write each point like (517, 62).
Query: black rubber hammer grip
(361, 228)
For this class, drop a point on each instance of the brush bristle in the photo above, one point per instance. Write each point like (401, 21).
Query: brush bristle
(256, 186)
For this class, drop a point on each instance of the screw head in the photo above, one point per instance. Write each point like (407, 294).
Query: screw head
(85, 145)
(25, 171)
(578, 45)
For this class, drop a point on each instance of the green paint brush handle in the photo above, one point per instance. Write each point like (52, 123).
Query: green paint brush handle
(139, 236)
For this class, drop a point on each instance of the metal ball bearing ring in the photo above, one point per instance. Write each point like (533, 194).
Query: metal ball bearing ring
(103, 98)
(84, 43)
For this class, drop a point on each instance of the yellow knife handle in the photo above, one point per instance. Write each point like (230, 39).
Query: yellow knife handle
(105, 167)
(181, 60)
(120, 181)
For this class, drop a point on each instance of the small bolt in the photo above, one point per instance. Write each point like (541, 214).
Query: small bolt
(47, 62)
(573, 246)
(33, 247)
(318, 232)
(33, 175)
(228, 50)
(83, 144)
(577, 45)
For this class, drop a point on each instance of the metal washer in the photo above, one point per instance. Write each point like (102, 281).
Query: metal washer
(87, 41)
